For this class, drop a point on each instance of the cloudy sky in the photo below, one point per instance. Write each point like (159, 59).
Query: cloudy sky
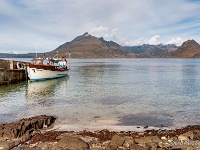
(50, 23)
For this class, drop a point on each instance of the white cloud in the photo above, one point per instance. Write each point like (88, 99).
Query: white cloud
(107, 34)
(176, 41)
(115, 37)
(100, 31)
(137, 42)
(154, 40)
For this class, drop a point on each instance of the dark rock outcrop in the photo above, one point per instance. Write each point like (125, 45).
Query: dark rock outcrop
(71, 143)
(24, 128)
(156, 51)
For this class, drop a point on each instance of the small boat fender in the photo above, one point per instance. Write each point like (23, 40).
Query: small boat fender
(20, 65)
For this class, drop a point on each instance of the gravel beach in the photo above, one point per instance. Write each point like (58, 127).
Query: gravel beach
(38, 133)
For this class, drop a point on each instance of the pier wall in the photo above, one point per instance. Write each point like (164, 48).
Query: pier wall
(9, 72)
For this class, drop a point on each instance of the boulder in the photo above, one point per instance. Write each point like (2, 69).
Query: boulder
(24, 147)
(7, 145)
(183, 138)
(189, 134)
(116, 141)
(70, 143)
(197, 135)
(134, 146)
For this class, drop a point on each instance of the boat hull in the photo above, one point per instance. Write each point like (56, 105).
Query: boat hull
(36, 74)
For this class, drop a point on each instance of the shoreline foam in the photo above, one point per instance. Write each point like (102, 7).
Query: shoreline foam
(117, 128)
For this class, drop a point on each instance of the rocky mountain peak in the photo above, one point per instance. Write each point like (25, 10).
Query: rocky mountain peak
(86, 34)
(190, 44)
(188, 49)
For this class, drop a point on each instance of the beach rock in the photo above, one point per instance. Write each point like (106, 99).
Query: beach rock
(150, 142)
(189, 134)
(116, 141)
(174, 139)
(4, 146)
(152, 146)
(24, 147)
(143, 140)
(96, 146)
(129, 139)
(155, 139)
(7, 145)
(106, 144)
(134, 146)
(71, 143)
(89, 140)
(183, 138)
(45, 145)
(25, 137)
(183, 148)
(163, 138)
(197, 135)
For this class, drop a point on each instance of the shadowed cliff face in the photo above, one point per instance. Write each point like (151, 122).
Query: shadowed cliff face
(156, 52)
(189, 49)
(147, 50)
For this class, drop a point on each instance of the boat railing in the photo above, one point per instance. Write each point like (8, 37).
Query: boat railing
(59, 62)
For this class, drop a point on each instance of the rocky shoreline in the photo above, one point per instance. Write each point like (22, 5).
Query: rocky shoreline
(36, 133)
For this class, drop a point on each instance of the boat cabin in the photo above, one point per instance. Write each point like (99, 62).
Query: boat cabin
(50, 62)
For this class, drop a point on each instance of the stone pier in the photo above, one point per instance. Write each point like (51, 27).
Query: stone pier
(9, 73)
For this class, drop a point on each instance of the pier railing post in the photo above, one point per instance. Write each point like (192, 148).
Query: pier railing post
(11, 64)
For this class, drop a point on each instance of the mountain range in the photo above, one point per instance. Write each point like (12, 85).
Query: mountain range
(88, 46)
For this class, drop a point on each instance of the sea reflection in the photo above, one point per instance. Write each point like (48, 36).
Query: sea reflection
(45, 89)
(11, 90)
(95, 69)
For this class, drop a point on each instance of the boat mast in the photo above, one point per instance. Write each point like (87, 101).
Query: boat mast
(69, 60)
(36, 50)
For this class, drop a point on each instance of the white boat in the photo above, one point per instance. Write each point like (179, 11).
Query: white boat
(47, 68)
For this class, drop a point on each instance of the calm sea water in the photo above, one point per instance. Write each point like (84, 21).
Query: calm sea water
(124, 92)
